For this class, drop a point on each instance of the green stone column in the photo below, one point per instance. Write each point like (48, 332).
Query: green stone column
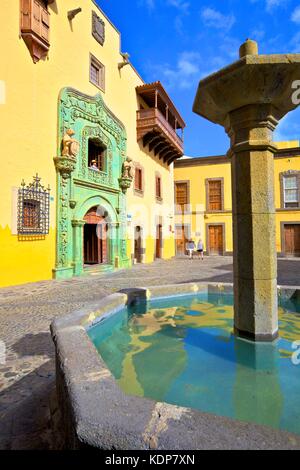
(114, 244)
(254, 231)
(64, 255)
(78, 246)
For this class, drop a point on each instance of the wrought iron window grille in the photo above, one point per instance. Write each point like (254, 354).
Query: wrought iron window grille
(33, 208)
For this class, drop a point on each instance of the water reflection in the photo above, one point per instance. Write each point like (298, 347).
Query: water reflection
(183, 351)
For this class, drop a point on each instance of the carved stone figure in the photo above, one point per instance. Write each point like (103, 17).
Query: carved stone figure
(70, 145)
(127, 170)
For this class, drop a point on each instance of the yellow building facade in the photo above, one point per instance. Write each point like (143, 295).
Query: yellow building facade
(204, 208)
(68, 94)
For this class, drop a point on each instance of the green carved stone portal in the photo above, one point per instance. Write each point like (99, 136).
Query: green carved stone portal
(79, 188)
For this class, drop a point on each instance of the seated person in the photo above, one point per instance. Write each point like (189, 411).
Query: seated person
(93, 165)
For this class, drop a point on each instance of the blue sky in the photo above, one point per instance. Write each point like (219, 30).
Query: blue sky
(181, 41)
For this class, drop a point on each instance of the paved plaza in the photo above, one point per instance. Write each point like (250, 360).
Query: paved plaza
(27, 379)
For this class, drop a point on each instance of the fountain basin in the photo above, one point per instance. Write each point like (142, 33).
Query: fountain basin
(97, 413)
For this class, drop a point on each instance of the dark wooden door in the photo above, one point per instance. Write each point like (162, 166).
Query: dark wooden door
(91, 244)
(292, 239)
(95, 245)
(138, 244)
(215, 239)
(180, 240)
(158, 241)
(102, 242)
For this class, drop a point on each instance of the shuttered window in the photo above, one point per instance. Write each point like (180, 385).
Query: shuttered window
(181, 194)
(215, 202)
(138, 179)
(158, 191)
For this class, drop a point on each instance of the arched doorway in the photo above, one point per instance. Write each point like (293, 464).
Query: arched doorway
(95, 240)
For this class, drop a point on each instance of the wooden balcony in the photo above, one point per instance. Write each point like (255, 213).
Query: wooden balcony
(35, 26)
(159, 124)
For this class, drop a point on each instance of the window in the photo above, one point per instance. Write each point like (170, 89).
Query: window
(181, 195)
(97, 73)
(158, 190)
(291, 191)
(33, 208)
(138, 179)
(31, 214)
(97, 155)
(214, 194)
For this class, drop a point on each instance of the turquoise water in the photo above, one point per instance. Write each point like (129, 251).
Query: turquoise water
(182, 351)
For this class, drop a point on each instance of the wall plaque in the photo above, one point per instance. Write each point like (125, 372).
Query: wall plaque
(98, 28)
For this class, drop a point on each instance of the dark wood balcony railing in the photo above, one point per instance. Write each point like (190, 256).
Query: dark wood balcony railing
(158, 123)
(157, 132)
(148, 118)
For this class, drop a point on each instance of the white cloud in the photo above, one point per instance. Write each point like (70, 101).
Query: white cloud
(295, 43)
(183, 8)
(150, 4)
(296, 15)
(181, 5)
(215, 19)
(184, 74)
(272, 4)
(257, 34)
(229, 47)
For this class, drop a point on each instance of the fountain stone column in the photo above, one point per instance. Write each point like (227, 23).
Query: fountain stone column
(248, 98)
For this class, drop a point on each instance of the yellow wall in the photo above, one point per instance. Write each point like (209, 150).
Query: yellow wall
(283, 165)
(28, 119)
(197, 175)
(199, 219)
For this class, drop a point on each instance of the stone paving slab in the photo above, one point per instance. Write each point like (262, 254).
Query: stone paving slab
(27, 379)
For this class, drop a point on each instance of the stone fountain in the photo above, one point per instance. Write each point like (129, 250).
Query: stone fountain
(248, 98)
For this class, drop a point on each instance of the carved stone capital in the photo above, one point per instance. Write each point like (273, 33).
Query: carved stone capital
(125, 183)
(65, 165)
(78, 223)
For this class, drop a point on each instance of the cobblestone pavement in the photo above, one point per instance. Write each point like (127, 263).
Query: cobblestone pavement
(28, 376)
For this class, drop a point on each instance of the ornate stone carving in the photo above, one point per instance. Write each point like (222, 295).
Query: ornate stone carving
(65, 165)
(125, 184)
(98, 28)
(127, 175)
(127, 168)
(77, 183)
(63, 224)
(70, 145)
(75, 105)
(101, 177)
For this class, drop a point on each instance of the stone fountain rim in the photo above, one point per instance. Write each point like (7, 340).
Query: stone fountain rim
(97, 414)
